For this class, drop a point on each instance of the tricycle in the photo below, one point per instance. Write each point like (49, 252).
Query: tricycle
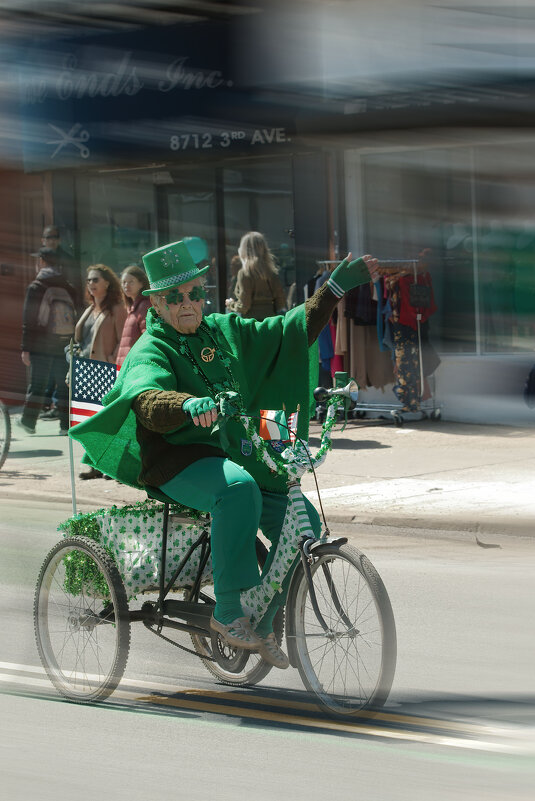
(151, 563)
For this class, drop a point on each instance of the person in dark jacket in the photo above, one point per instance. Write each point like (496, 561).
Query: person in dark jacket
(47, 326)
(70, 267)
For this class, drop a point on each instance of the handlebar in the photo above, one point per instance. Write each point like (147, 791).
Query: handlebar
(350, 392)
(294, 460)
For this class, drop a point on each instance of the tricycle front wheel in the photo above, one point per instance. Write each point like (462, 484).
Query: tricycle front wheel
(81, 620)
(349, 665)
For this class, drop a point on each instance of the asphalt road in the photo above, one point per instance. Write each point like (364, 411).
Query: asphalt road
(459, 722)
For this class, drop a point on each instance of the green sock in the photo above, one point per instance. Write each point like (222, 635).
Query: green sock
(228, 607)
(265, 626)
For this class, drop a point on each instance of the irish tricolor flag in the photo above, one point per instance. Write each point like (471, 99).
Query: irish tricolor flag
(273, 425)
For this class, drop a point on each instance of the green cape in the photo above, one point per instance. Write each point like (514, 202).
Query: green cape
(270, 360)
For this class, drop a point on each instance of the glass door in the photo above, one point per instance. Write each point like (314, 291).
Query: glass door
(188, 208)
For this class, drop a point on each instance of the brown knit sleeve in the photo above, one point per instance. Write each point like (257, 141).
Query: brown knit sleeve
(160, 410)
(318, 311)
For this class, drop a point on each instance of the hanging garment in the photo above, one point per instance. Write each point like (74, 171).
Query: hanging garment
(337, 361)
(358, 344)
(407, 369)
(360, 305)
(407, 364)
(326, 348)
(368, 365)
(416, 297)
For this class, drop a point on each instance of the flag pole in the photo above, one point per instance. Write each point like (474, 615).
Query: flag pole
(71, 454)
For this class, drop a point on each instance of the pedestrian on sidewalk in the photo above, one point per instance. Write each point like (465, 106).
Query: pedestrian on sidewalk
(258, 290)
(133, 281)
(47, 326)
(51, 238)
(99, 329)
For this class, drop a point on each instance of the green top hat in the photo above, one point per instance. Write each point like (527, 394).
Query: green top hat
(170, 266)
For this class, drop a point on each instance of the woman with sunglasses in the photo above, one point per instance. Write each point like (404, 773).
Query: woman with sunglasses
(157, 428)
(99, 329)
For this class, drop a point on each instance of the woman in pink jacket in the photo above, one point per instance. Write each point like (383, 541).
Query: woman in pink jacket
(133, 282)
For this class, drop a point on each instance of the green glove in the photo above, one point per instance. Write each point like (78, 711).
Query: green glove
(347, 276)
(199, 406)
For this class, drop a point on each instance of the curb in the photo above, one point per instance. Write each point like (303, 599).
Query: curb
(503, 526)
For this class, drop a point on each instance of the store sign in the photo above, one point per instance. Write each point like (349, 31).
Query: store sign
(165, 94)
(127, 79)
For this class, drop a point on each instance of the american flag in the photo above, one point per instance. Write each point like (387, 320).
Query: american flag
(292, 425)
(91, 380)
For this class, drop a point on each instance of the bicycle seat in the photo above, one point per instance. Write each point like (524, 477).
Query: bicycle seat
(157, 494)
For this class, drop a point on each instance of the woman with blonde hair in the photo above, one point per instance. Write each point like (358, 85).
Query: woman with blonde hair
(133, 282)
(259, 292)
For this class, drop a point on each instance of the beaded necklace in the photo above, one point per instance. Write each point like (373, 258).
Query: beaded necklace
(228, 384)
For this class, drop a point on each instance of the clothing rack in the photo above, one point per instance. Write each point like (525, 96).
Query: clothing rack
(394, 269)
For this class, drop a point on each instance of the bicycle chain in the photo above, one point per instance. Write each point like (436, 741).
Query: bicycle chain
(182, 647)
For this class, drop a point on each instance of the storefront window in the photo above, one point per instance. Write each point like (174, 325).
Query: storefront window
(472, 207)
(506, 246)
(258, 197)
(188, 208)
(117, 217)
(123, 216)
(417, 201)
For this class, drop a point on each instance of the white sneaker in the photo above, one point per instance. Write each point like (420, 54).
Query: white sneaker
(272, 653)
(25, 427)
(238, 633)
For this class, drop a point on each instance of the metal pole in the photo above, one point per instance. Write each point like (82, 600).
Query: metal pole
(71, 454)
(418, 320)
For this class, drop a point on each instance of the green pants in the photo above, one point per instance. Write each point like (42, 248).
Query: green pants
(238, 509)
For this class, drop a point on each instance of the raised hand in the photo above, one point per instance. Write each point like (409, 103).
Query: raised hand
(350, 274)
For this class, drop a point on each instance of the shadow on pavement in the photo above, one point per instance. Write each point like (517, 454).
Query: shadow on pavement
(12, 474)
(38, 452)
(352, 444)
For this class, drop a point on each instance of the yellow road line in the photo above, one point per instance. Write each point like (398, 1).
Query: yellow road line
(362, 730)
(308, 706)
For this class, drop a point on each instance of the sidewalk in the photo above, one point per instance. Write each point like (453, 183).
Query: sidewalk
(448, 476)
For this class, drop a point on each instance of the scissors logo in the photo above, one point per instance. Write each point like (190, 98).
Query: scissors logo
(75, 137)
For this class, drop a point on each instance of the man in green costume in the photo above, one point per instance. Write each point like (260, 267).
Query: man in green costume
(157, 425)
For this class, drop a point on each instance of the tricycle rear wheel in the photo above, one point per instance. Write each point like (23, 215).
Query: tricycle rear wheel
(81, 620)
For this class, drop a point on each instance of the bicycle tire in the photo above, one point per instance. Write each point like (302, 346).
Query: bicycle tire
(5, 433)
(351, 667)
(236, 666)
(83, 638)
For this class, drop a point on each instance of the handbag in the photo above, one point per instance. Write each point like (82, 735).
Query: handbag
(420, 296)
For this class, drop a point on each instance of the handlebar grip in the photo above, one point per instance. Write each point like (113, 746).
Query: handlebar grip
(321, 394)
